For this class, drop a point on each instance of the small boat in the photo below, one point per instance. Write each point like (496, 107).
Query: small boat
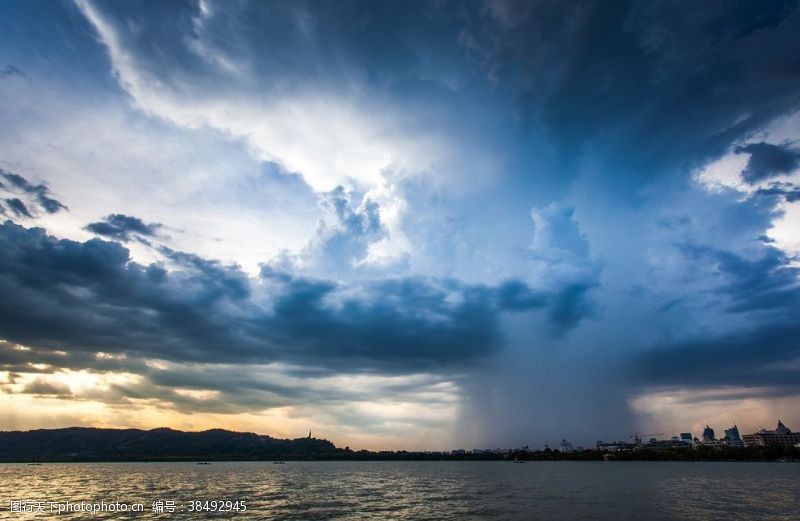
(517, 460)
(203, 463)
(34, 464)
(279, 463)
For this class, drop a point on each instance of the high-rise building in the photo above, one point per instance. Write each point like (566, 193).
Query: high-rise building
(709, 439)
(782, 435)
(732, 438)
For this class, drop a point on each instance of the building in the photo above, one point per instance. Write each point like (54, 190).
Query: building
(709, 439)
(615, 446)
(732, 438)
(782, 435)
(673, 443)
(686, 437)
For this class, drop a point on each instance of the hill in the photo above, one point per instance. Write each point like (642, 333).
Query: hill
(91, 444)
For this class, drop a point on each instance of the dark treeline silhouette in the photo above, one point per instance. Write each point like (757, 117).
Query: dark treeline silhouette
(77, 444)
(768, 453)
(89, 444)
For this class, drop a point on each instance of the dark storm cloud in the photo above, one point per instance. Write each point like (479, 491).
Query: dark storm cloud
(788, 191)
(768, 160)
(760, 353)
(769, 283)
(123, 227)
(88, 297)
(765, 356)
(38, 195)
(654, 85)
(18, 207)
(565, 309)
(49, 204)
(572, 304)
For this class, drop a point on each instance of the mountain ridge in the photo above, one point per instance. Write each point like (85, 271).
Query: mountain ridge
(159, 444)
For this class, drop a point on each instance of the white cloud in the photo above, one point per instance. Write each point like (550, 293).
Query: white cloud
(725, 174)
(330, 138)
(101, 157)
(332, 135)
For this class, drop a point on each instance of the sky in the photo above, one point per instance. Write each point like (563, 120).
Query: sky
(408, 225)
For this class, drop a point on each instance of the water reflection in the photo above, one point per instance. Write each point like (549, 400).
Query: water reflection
(418, 490)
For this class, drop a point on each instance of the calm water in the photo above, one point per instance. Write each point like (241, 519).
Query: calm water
(419, 490)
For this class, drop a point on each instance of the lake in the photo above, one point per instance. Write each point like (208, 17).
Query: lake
(406, 490)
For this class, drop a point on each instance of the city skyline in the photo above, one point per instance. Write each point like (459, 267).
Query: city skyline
(404, 225)
(781, 436)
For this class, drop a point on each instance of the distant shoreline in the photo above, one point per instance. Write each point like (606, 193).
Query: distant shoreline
(389, 460)
(90, 445)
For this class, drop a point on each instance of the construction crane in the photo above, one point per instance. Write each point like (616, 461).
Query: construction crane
(637, 437)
